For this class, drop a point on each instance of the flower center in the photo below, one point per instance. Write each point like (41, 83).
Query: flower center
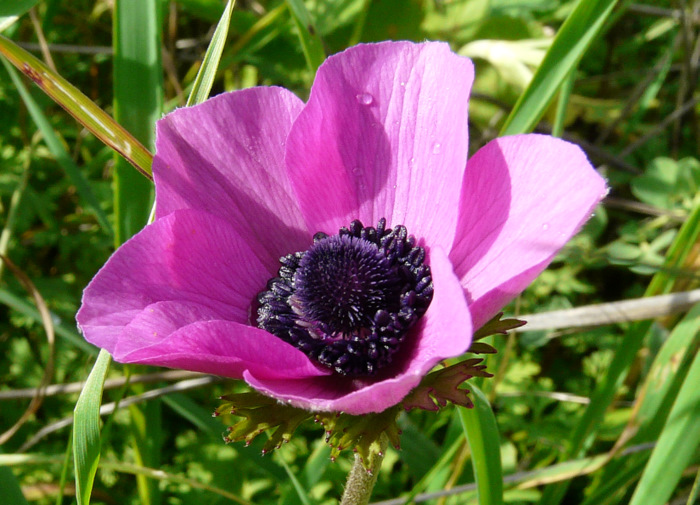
(349, 300)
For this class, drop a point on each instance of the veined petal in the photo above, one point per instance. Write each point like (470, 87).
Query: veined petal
(384, 134)
(523, 198)
(228, 349)
(226, 157)
(444, 331)
(189, 257)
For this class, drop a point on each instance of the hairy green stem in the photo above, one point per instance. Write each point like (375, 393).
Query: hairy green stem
(361, 480)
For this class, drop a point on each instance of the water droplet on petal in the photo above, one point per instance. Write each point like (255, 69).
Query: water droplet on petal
(545, 226)
(364, 99)
(437, 148)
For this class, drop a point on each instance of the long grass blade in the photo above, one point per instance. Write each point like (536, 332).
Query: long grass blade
(85, 111)
(571, 42)
(86, 429)
(482, 434)
(311, 43)
(207, 72)
(138, 103)
(676, 447)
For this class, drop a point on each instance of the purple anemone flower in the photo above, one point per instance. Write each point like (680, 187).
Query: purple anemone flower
(331, 253)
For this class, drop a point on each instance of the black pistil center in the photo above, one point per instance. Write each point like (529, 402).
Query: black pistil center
(349, 300)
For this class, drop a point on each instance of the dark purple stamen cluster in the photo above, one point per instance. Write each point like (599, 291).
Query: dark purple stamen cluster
(349, 300)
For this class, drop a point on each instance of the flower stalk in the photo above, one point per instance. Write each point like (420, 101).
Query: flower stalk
(361, 480)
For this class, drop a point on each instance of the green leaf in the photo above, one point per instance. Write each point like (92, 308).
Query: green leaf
(86, 429)
(676, 446)
(207, 72)
(482, 434)
(138, 103)
(311, 43)
(79, 106)
(571, 42)
(11, 491)
(11, 10)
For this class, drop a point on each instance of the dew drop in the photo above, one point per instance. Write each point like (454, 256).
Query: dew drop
(545, 226)
(364, 99)
(437, 148)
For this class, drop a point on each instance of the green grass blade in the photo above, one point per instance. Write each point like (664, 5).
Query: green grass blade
(571, 42)
(82, 185)
(311, 43)
(207, 72)
(562, 104)
(482, 434)
(665, 377)
(79, 106)
(138, 103)
(86, 429)
(676, 446)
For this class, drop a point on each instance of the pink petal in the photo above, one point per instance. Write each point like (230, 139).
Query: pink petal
(384, 134)
(189, 257)
(226, 156)
(444, 331)
(228, 349)
(523, 198)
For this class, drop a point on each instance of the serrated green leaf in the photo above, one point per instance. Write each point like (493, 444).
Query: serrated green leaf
(497, 326)
(441, 386)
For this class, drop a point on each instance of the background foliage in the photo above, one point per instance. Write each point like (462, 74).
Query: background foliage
(595, 416)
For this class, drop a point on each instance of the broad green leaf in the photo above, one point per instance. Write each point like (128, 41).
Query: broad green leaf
(676, 447)
(86, 429)
(311, 43)
(82, 185)
(482, 434)
(571, 42)
(207, 72)
(79, 106)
